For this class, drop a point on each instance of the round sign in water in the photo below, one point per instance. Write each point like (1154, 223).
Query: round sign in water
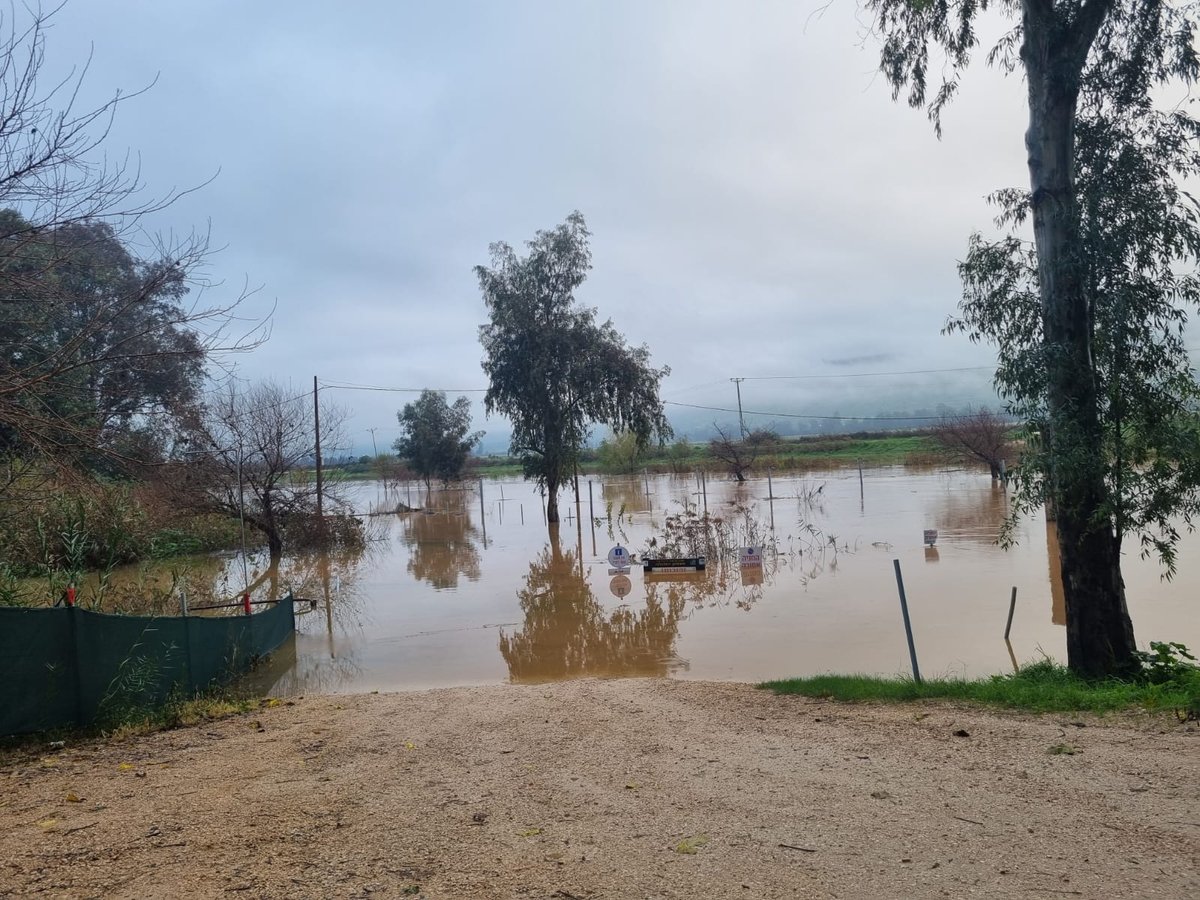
(620, 586)
(618, 557)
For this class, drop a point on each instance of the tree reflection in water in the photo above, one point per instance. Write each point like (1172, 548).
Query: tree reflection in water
(567, 633)
(442, 543)
(973, 515)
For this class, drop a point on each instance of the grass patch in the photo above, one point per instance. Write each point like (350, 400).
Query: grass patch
(1039, 687)
(185, 712)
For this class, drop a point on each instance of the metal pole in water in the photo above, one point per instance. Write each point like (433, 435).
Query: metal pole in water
(860, 479)
(1012, 607)
(770, 487)
(591, 505)
(482, 513)
(317, 437)
(912, 649)
(704, 490)
(522, 513)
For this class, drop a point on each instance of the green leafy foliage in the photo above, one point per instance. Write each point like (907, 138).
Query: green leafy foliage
(435, 437)
(1168, 662)
(619, 453)
(1141, 255)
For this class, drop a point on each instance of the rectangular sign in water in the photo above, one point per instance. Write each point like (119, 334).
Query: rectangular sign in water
(674, 564)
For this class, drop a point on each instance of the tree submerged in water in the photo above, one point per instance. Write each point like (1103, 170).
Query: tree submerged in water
(551, 367)
(435, 436)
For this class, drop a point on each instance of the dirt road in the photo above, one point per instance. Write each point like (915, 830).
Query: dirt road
(611, 789)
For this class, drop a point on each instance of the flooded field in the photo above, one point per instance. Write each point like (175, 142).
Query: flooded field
(476, 589)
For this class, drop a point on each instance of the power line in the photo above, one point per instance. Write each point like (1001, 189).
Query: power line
(347, 386)
(751, 412)
(865, 374)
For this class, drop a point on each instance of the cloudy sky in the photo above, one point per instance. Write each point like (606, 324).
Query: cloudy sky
(760, 206)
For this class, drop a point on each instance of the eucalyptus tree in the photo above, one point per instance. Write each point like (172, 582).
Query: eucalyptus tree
(552, 368)
(1088, 315)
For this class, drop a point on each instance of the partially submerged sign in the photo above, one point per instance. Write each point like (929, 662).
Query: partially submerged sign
(750, 557)
(669, 564)
(618, 558)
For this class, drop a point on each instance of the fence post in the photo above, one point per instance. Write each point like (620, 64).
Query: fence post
(188, 681)
(912, 650)
(1012, 607)
(73, 618)
(246, 602)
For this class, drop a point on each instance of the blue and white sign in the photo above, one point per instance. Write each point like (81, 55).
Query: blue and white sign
(618, 557)
(750, 556)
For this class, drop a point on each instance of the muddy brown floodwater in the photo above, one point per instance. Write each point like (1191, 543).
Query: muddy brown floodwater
(477, 590)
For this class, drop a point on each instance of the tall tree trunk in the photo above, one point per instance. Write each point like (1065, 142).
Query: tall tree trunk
(1099, 632)
(552, 498)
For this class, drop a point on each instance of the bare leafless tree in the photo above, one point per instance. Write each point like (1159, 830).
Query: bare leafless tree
(252, 456)
(737, 456)
(977, 436)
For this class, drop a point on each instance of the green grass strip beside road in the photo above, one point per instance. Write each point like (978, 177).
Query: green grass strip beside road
(1039, 687)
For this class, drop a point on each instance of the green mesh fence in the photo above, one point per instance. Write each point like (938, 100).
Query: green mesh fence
(69, 666)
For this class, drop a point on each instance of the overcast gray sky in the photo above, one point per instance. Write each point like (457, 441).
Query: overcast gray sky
(760, 205)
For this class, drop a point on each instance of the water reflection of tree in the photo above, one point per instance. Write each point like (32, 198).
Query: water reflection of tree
(441, 542)
(972, 515)
(721, 583)
(290, 672)
(625, 496)
(567, 633)
(1058, 602)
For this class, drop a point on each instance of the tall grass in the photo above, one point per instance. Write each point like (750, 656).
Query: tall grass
(86, 526)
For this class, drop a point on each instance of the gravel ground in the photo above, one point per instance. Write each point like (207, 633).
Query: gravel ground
(611, 789)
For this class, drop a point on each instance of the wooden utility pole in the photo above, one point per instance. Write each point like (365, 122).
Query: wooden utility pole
(741, 421)
(317, 430)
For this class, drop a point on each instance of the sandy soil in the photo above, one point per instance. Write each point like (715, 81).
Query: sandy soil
(611, 789)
